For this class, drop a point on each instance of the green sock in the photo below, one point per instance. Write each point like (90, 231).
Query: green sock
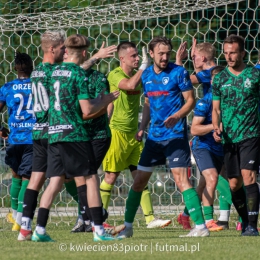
(208, 212)
(146, 204)
(105, 192)
(14, 192)
(71, 188)
(223, 204)
(186, 212)
(132, 204)
(193, 205)
(224, 190)
(21, 195)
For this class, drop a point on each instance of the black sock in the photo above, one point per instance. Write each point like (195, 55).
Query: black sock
(239, 201)
(43, 215)
(30, 203)
(252, 194)
(97, 215)
(83, 203)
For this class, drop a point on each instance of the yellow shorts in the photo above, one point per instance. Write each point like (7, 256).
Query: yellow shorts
(124, 151)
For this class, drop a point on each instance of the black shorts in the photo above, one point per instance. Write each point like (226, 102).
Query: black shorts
(100, 148)
(40, 155)
(241, 156)
(19, 158)
(72, 159)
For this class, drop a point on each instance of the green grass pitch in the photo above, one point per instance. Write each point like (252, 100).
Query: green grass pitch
(145, 244)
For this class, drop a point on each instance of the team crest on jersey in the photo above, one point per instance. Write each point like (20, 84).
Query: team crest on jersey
(165, 80)
(247, 83)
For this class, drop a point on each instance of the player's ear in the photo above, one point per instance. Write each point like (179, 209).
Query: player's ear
(51, 49)
(151, 53)
(243, 53)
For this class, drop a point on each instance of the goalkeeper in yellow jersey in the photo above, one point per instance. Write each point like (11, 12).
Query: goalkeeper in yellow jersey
(125, 150)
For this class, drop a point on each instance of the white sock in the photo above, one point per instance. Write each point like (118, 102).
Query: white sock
(92, 223)
(14, 213)
(26, 223)
(99, 229)
(18, 218)
(40, 230)
(208, 220)
(224, 215)
(201, 226)
(128, 225)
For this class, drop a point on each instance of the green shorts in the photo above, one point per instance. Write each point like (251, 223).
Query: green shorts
(124, 151)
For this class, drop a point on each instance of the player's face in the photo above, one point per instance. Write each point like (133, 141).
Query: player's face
(161, 56)
(59, 51)
(233, 55)
(197, 59)
(130, 58)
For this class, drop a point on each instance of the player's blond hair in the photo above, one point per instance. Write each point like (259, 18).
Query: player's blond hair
(207, 49)
(76, 43)
(52, 38)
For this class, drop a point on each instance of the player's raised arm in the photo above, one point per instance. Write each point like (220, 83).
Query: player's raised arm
(181, 53)
(128, 59)
(103, 53)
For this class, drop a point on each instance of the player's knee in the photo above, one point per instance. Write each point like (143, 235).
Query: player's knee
(110, 177)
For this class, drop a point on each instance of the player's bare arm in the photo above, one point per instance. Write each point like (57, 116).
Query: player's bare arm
(181, 53)
(145, 120)
(103, 53)
(91, 106)
(197, 127)
(172, 120)
(95, 115)
(133, 82)
(216, 120)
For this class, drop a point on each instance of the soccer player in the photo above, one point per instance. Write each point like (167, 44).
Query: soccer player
(203, 57)
(125, 150)
(207, 153)
(70, 154)
(236, 99)
(52, 44)
(100, 137)
(16, 95)
(166, 87)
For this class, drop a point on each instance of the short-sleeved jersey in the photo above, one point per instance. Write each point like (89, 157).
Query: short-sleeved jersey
(68, 86)
(239, 101)
(97, 128)
(126, 107)
(17, 96)
(204, 109)
(40, 78)
(164, 91)
(204, 78)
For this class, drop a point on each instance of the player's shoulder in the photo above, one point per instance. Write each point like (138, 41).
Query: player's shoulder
(95, 73)
(117, 70)
(176, 69)
(254, 69)
(95, 76)
(224, 74)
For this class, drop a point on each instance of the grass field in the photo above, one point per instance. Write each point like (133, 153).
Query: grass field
(146, 244)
